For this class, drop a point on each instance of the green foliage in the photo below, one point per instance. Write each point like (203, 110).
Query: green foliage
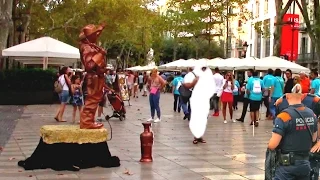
(26, 80)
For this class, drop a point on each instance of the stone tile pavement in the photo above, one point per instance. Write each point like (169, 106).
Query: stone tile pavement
(231, 152)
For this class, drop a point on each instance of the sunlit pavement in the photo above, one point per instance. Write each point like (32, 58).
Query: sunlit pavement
(231, 151)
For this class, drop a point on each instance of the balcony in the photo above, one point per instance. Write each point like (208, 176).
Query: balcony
(307, 58)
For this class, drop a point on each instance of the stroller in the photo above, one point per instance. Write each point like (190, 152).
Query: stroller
(117, 104)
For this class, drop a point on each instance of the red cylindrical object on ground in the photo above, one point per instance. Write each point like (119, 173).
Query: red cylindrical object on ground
(146, 140)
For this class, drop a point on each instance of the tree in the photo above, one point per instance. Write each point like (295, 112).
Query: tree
(207, 18)
(5, 22)
(312, 20)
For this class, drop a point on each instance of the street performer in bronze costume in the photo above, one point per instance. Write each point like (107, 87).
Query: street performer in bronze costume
(93, 58)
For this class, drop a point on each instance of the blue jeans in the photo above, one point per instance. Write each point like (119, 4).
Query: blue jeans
(154, 104)
(273, 107)
(300, 171)
(185, 106)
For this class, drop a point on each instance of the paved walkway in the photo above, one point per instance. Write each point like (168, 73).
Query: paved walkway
(231, 151)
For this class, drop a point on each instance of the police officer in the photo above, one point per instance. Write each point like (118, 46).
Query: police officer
(295, 128)
(311, 101)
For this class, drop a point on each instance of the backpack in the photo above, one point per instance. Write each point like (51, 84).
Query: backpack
(256, 86)
(184, 92)
(58, 87)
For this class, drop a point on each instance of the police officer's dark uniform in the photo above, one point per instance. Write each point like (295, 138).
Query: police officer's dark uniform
(293, 150)
(313, 102)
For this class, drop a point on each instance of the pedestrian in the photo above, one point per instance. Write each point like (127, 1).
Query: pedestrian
(297, 86)
(176, 83)
(236, 93)
(155, 84)
(64, 96)
(267, 83)
(77, 96)
(245, 98)
(289, 82)
(315, 85)
(227, 96)
(255, 91)
(218, 80)
(185, 101)
(276, 91)
(305, 82)
(295, 129)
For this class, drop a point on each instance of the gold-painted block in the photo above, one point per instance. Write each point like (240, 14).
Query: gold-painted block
(52, 134)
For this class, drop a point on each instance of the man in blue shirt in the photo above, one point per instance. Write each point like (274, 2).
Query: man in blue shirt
(176, 83)
(276, 90)
(315, 83)
(254, 90)
(267, 83)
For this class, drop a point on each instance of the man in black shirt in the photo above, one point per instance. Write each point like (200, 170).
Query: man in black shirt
(289, 84)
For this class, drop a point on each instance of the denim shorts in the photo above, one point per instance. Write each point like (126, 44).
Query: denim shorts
(64, 96)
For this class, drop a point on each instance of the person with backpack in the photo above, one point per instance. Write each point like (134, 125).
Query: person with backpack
(185, 91)
(63, 88)
(276, 91)
(255, 88)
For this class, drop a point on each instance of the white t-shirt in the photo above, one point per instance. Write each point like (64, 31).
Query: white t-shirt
(228, 88)
(63, 83)
(219, 81)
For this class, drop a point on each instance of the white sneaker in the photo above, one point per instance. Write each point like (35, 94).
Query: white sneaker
(157, 120)
(233, 120)
(225, 121)
(150, 119)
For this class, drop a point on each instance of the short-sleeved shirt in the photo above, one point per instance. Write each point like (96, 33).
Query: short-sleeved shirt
(236, 88)
(228, 89)
(140, 79)
(316, 86)
(255, 96)
(177, 81)
(278, 84)
(63, 82)
(267, 80)
(295, 134)
(305, 84)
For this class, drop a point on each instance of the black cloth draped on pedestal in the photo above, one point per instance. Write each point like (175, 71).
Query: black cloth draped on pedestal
(70, 156)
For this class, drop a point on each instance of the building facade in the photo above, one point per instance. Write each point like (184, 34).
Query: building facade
(261, 43)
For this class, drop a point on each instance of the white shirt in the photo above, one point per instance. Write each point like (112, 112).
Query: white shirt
(63, 82)
(228, 88)
(219, 81)
(188, 78)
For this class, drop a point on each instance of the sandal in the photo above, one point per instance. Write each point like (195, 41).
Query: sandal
(56, 119)
(202, 140)
(195, 141)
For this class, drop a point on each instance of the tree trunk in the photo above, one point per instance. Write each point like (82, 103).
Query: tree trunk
(278, 27)
(5, 22)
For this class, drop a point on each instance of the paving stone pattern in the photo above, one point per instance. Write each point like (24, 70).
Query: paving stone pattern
(9, 116)
(231, 152)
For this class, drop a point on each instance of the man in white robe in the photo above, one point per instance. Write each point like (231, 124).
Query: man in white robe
(203, 90)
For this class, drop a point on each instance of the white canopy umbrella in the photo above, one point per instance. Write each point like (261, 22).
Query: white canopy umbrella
(274, 62)
(173, 64)
(45, 47)
(135, 68)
